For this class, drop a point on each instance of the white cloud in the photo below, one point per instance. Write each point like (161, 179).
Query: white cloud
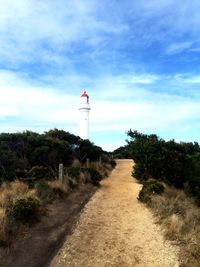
(69, 45)
(192, 79)
(157, 116)
(48, 31)
(25, 106)
(34, 106)
(178, 47)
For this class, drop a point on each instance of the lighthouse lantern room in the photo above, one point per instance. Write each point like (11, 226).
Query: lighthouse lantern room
(84, 110)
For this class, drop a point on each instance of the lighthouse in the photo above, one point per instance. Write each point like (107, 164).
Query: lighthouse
(84, 110)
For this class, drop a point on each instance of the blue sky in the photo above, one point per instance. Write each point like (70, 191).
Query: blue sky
(138, 60)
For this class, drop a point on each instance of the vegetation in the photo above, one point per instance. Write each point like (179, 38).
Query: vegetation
(123, 152)
(179, 217)
(170, 173)
(177, 164)
(30, 155)
(23, 210)
(93, 176)
(150, 188)
(29, 174)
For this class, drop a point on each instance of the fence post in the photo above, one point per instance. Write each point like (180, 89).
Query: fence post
(88, 163)
(61, 172)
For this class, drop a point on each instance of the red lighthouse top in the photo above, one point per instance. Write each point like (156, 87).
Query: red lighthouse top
(85, 94)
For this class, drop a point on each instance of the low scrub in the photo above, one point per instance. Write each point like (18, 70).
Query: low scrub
(60, 189)
(113, 163)
(38, 172)
(10, 192)
(15, 216)
(93, 176)
(43, 191)
(150, 187)
(3, 236)
(74, 172)
(179, 216)
(23, 210)
(22, 203)
(49, 191)
(77, 175)
(103, 168)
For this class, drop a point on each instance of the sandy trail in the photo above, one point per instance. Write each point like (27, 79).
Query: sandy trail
(116, 230)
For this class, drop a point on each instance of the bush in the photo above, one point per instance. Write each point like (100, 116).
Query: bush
(74, 172)
(179, 217)
(150, 187)
(113, 163)
(60, 189)
(154, 186)
(102, 168)
(38, 172)
(44, 191)
(2, 228)
(94, 176)
(23, 210)
(72, 183)
(144, 195)
(12, 191)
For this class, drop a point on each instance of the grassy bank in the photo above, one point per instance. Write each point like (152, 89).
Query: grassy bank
(180, 219)
(22, 204)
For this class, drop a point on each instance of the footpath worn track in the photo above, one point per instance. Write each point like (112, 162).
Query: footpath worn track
(116, 230)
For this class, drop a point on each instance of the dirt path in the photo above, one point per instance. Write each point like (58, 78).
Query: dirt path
(116, 230)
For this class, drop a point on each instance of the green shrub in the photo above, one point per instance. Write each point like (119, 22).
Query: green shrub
(144, 195)
(48, 191)
(154, 186)
(23, 210)
(59, 189)
(94, 177)
(38, 172)
(113, 163)
(72, 183)
(150, 187)
(44, 191)
(74, 172)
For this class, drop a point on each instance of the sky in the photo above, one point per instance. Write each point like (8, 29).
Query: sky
(139, 61)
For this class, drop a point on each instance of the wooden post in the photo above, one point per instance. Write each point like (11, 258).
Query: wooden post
(61, 172)
(88, 163)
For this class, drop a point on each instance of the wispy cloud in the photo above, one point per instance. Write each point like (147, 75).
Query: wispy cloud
(178, 47)
(123, 103)
(138, 59)
(28, 105)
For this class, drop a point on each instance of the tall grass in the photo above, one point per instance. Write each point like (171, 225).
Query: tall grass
(180, 218)
(17, 199)
(10, 192)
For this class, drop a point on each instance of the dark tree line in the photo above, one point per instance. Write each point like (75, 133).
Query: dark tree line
(177, 164)
(20, 152)
(122, 152)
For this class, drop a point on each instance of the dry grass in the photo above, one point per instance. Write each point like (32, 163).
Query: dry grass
(9, 193)
(44, 191)
(76, 163)
(103, 169)
(180, 218)
(12, 191)
(58, 185)
(2, 227)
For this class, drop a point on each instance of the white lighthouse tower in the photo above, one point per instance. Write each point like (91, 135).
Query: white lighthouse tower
(84, 116)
